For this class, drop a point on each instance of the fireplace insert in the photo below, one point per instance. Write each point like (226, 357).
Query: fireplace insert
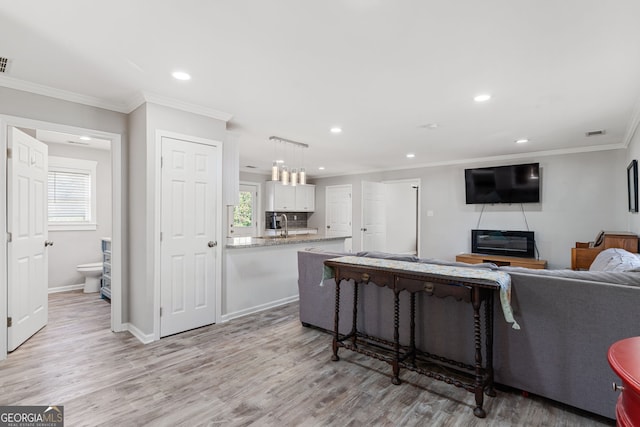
(500, 242)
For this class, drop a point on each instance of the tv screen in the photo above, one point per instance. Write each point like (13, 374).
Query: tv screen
(503, 184)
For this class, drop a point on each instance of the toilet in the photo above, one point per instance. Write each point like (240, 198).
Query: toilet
(92, 273)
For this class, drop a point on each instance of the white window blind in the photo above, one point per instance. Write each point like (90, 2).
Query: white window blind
(72, 194)
(69, 196)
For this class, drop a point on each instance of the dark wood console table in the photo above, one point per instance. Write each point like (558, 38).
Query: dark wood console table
(440, 281)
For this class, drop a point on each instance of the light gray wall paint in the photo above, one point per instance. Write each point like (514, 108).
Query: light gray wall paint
(137, 155)
(38, 107)
(581, 194)
(633, 152)
(80, 247)
(145, 122)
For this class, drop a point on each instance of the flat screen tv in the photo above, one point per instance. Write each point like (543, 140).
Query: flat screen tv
(503, 184)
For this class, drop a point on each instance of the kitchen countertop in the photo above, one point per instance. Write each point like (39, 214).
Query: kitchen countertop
(257, 242)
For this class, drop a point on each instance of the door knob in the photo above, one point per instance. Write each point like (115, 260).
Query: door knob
(363, 229)
(212, 244)
(328, 226)
(48, 243)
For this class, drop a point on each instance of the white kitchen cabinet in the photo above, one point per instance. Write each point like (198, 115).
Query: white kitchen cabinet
(305, 198)
(280, 198)
(288, 198)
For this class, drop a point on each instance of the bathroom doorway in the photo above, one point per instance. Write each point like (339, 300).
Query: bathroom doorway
(64, 142)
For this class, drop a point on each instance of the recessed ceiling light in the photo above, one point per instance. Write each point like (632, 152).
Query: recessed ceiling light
(336, 129)
(410, 156)
(321, 168)
(522, 141)
(85, 138)
(181, 75)
(482, 97)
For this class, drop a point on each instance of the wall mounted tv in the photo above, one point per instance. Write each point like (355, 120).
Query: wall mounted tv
(503, 184)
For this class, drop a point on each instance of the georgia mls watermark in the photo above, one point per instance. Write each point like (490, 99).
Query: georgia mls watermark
(31, 416)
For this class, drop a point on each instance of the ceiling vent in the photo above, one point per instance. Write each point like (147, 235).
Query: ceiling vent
(3, 64)
(595, 132)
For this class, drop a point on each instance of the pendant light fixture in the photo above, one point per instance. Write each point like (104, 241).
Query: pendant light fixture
(280, 171)
(302, 175)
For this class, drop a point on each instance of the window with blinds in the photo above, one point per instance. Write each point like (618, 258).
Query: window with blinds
(71, 194)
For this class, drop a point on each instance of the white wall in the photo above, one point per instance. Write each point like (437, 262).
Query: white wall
(80, 247)
(145, 122)
(580, 195)
(633, 152)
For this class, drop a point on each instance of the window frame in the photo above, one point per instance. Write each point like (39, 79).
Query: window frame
(73, 165)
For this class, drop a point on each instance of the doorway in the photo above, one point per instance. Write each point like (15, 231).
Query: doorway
(390, 216)
(6, 122)
(244, 218)
(190, 264)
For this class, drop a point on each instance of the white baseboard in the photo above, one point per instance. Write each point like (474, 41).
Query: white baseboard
(66, 288)
(142, 337)
(261, 307)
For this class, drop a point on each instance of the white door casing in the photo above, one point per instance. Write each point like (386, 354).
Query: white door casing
(188, 249)
(27, 224)
(339, 208)
(374, 223)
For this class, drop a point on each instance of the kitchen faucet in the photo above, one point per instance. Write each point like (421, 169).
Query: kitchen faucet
(286, 225)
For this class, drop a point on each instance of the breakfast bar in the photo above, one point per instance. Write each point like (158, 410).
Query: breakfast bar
(473, 286)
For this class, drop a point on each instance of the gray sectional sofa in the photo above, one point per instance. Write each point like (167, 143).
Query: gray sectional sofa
(568, 320)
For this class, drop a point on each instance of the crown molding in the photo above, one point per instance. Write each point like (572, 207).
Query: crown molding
(468, 161)
(65, 95)
(125, 107)
(153, 98)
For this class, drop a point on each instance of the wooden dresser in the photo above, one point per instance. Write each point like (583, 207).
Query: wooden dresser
(585, 252)
(502, 260)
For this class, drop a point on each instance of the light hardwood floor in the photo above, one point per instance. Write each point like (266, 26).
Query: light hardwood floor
(263, 369)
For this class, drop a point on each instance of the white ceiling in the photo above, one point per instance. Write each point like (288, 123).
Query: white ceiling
(382, 70)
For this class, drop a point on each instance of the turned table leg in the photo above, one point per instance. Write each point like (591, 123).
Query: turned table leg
(488, 323)
(336, 322)
(479, 388)
(396, 339)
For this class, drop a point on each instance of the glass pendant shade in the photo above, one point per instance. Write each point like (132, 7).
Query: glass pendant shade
(302, 176)
(275, 172)
(294, 177)
(284, 175)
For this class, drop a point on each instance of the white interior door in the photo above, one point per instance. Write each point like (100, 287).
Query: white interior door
(27, 248)
(374, 223)
(338, 214)
(189, 242)
(401, 202)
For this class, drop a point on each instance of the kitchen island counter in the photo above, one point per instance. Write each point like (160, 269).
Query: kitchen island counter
(256, 242)
(261, 273)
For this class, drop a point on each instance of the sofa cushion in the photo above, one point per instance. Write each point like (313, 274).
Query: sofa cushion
(436, 261)
(385, 255)
(608, 277)
(615, 259)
